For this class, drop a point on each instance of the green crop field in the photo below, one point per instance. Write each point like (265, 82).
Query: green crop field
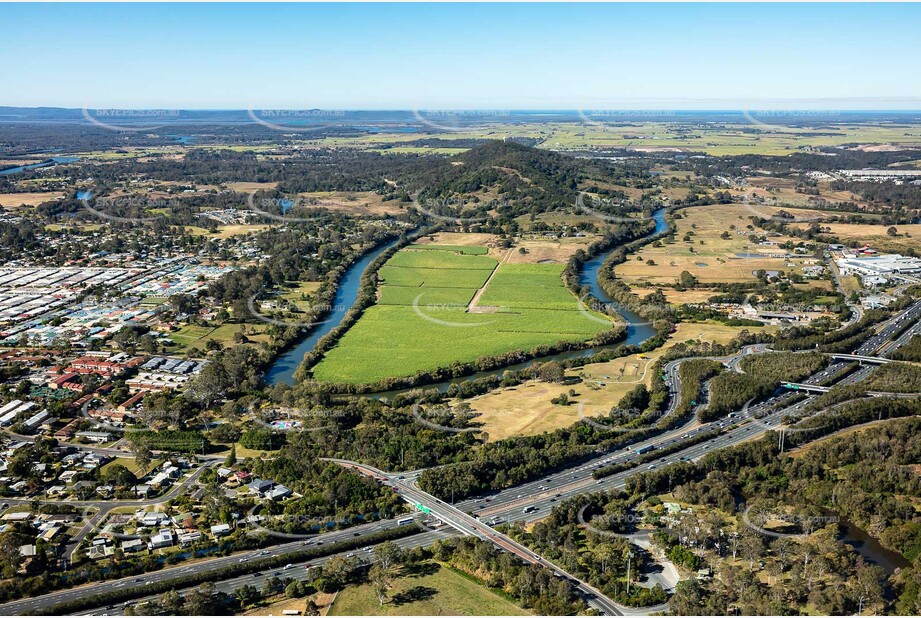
(394, 295)
(421, 321)
(440, 260)
(465, 249)
(536, 286)
(433, 277)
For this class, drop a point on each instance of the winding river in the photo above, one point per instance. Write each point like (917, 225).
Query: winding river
(637, 331)
(282, 370)
(31, 166)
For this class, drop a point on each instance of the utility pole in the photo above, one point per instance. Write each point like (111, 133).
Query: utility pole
(629, 564)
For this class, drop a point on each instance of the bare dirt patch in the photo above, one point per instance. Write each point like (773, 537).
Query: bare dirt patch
(548, 251)
(27, 200)
(464, 239)
(249, 187)
(353, 202)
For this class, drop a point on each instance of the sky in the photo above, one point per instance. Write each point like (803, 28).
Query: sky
(461, 56)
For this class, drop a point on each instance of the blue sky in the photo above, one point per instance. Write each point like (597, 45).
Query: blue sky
(453, 56)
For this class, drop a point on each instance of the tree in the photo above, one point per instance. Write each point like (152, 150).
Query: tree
(209, 385)
(381, 580)
(389, 555)
(170, 602)
(246, 595)
(200, 601)
(551, 372)
(142, 455)
(231, 457)
(868, 587)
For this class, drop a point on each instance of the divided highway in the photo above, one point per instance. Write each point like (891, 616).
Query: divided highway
(529, 501)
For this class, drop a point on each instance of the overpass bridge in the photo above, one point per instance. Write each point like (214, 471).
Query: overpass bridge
(812, 388)
(809, 388)
(861, 358)
(469, 525)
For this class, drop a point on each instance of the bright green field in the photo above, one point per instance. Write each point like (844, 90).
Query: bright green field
(443, 593)
(400, 337)
(393, 295)
(536, 286)
(433, 277)
(465, 249)
(440, 260)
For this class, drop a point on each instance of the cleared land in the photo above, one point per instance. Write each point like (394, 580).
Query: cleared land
(249, 187)
(659, 135)
(422, 321)
(196, 336)
(909, 236)
(353, 202)
(526, 409)
(706, 255)
(442, 593)
(26, 200)
(227, 231)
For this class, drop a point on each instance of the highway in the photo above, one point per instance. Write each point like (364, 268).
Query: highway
(540, 495)
(469, 525)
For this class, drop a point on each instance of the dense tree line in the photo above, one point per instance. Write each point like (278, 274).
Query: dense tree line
(532, 586)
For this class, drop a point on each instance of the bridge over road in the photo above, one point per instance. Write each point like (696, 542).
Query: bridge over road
(468, 525)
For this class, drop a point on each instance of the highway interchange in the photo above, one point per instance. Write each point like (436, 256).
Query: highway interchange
(527, 502)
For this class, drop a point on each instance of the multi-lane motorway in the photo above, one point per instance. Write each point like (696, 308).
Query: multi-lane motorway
(530, 501)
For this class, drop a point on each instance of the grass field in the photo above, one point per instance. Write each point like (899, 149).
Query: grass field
(661, 135)
(190, 335)
(717, 259)
(227, 231)
(298, 289)
(909, 236)
(422, 320)
(465, 249)
(526, 409)
(26, 200)
(442, 593)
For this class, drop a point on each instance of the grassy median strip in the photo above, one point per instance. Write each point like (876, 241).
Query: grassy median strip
(188, 580)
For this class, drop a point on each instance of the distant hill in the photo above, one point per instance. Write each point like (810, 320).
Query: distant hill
(518, 179)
